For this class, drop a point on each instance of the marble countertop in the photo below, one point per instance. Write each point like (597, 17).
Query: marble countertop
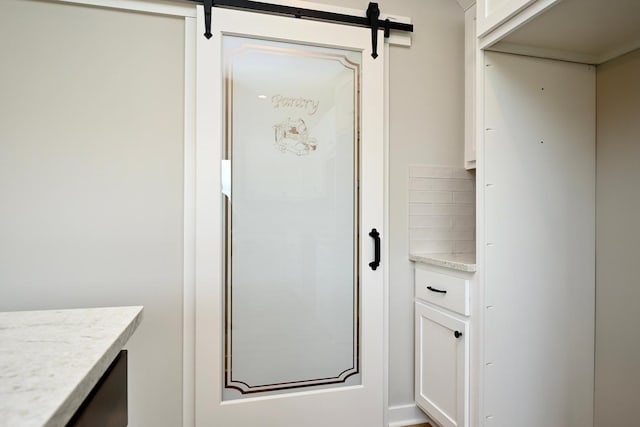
(461, 262)
(50, 360)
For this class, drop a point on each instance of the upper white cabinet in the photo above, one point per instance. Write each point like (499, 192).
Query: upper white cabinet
(492, 13)
(496, 18)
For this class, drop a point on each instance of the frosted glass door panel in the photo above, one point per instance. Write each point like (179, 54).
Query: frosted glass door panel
(291, 217)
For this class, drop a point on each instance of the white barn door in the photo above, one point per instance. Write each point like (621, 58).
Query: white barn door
(289, 186)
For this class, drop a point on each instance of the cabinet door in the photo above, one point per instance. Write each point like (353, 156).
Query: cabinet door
(492, 13)
(442, 366)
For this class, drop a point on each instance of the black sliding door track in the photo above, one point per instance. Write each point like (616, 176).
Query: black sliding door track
(370, 21)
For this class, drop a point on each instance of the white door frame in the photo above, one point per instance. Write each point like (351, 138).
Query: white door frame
(188, 12)
(189, 260)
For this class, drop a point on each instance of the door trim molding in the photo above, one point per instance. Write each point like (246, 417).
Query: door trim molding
(385, 243)
(189, 249)
(160, 7)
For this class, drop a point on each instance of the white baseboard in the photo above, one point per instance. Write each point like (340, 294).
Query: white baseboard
(406, 415)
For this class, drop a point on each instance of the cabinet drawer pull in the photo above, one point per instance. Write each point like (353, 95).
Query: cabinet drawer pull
(436, 290)
(457, 334)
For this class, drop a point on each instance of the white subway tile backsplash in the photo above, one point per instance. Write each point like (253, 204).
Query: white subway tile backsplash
(431, 196)
(437, 209)
(464, 197)
(441, 209)
(432, 247)
(467, 222)
(440, 184)
(442, 235)
(465, 247)
(431, 221)
(422, 171)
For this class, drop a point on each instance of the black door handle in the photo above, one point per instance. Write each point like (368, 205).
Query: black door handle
(436, 290)
(457, 334)
(376, 243)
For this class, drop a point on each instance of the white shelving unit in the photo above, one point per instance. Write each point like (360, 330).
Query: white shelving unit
(536, 135)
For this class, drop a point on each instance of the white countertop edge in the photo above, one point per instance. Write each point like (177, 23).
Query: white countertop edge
(50, 360)
(460, 262)
(70, 405)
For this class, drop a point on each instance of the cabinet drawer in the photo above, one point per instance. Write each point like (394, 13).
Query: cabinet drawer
(445, 291)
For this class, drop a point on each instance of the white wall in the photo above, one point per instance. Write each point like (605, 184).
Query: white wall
(617, 396)
(91, 139)
(426, 126)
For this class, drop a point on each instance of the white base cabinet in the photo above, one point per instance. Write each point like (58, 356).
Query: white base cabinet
(442, 366)
(442, 345)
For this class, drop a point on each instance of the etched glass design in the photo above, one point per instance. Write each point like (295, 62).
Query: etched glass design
(291, 286)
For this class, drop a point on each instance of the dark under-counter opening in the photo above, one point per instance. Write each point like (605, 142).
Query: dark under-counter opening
(106, 404)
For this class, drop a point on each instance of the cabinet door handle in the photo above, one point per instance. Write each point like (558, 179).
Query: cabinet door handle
(457, 334)
(440, 291)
